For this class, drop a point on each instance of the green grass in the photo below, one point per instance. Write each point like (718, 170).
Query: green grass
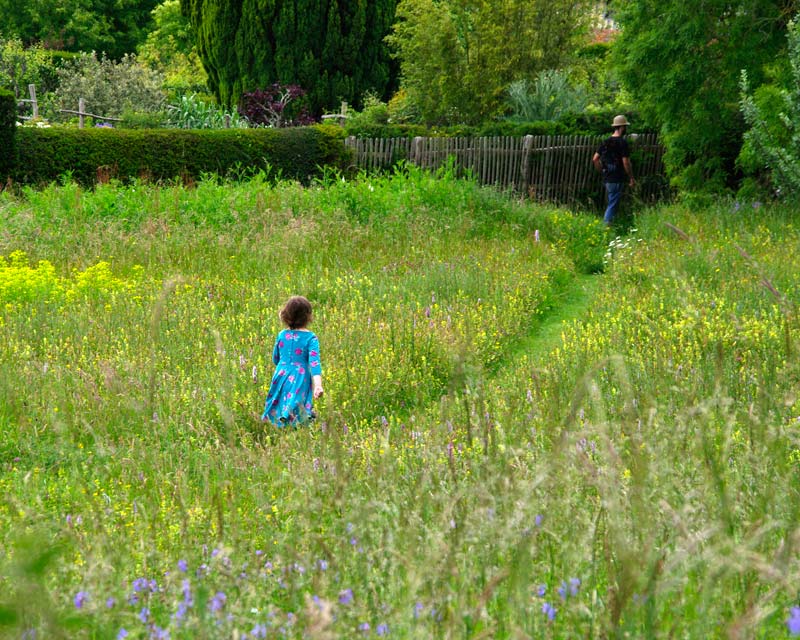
(497, 424)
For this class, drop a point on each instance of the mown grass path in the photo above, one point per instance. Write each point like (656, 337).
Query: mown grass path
(544, 336)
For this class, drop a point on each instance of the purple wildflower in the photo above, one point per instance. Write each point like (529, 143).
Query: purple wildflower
(549, 610)
(346, 596)
(364, 627)
(140, 584)
(187, 592)
(418, 607)
(182, 566)
(322, 565)
(180, 614)
(159, 634)
(382, 629)
(217, 602)
(793, 621)
(122, 633)
(259, 631)
(541, 590)
(538, 520)
(144, 614)
(80, 599)
(562, 590)
(574, 585)
(110, 602)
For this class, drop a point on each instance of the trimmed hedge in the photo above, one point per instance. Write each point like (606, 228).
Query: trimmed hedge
(8, 130)
(571, 124)
(45, 155)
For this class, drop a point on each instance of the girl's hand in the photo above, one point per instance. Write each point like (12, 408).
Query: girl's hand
(316, 383)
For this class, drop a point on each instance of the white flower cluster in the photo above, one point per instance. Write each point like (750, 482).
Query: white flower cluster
(619, 246)
(38, 123)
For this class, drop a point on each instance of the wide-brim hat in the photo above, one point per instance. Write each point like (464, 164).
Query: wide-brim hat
(620, 121)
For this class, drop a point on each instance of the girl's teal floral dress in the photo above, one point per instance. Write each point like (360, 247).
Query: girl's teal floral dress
(296, 358)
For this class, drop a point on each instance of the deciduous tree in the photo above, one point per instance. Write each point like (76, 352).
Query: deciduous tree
(171, 49)
(682, 63)
(114, 27)
(457, 57)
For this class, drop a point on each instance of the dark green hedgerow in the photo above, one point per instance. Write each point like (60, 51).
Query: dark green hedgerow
(44, 155)
(8, 127)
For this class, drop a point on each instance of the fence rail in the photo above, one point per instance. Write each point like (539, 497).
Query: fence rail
(547, 168)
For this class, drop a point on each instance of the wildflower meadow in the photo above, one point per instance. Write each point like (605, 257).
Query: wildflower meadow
(530, 428)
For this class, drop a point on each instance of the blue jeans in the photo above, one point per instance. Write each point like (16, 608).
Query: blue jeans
(614, 191)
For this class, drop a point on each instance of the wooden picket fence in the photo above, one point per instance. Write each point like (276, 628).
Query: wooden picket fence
(546, 168)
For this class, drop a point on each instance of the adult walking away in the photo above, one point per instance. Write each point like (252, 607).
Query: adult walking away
(613, 160)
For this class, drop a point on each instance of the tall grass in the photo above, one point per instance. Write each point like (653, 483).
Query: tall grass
(640, 480)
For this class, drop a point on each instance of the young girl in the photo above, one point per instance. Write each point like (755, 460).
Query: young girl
(298, 373)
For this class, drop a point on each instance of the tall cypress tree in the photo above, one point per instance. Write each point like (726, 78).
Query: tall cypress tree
(334, 49)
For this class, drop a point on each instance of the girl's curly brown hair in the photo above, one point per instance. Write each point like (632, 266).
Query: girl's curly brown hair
(296, 313)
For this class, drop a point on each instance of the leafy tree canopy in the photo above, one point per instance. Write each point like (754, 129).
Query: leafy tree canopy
(682, 62)
(115, 27)
(771, 150)
(457, 57)
(171, 49)
(333, 49)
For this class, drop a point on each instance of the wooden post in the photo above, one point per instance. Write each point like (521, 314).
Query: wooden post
(548, 166)
(525, 178)
(227, 120)
(416, 150)
(81, 111)
(32, 91)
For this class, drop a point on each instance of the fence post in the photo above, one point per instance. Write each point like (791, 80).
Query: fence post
(32, 91)
(416, 150)
(81, 111)
(525, 181)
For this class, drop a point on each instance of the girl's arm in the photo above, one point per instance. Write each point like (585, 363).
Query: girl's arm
(315, 365)
(316, 385)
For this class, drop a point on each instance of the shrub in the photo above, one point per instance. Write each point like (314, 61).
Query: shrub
(108, 88)
(278, 106)
(191, 112)
(21, 66)
(548, 97)
(8, 130)
(772, 142)
(139, 120)
(45, 155)
(584, 124)
(375, 112)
